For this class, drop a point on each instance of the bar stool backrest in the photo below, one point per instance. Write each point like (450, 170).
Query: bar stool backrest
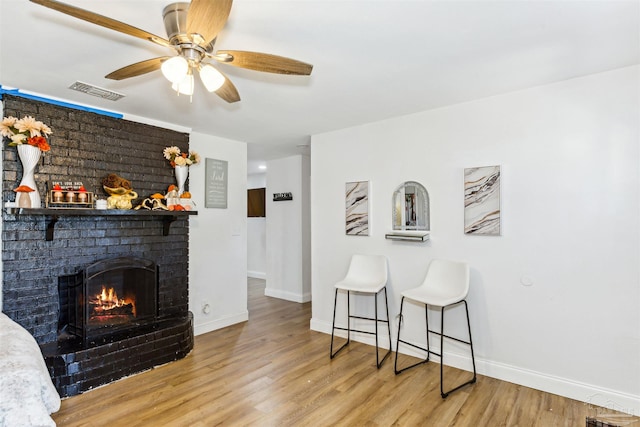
(448, 278)
(371, 269)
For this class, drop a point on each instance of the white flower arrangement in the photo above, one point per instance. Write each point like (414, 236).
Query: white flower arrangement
(26, 130)
(177, 158)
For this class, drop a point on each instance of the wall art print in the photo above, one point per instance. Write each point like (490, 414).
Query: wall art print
(357, 208)
(482, 201)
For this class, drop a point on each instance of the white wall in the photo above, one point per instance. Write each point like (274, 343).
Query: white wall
(256, 180)
(305, 224)
(570, 210)
(257, 234)
(288, 246)
(218, 239)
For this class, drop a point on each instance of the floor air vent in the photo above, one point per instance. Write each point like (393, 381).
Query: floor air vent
(96, 91)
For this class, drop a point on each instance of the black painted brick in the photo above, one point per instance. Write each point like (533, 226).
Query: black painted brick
(86, 147)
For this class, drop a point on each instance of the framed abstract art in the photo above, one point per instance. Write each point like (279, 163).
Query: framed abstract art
(357, 208)
(482, 201)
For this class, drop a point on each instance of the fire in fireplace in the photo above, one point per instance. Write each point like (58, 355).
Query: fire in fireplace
(109, 296)
(106, 307)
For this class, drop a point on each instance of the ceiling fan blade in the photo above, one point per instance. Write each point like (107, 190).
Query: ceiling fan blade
(137, 69)
(228, 91)
(208, 17)
(101, 20)
(263, 62)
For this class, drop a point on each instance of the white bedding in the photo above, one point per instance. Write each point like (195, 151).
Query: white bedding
(27, 395)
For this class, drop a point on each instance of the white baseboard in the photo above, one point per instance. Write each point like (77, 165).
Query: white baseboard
(289, 296)
(587, 393)
(257, 275)
(203, 328)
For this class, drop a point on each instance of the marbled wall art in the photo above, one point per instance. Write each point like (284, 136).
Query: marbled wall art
(482, 201)
(357, 208)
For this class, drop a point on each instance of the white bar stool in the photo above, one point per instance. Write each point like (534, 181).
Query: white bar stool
(367, 274)
(446, 284)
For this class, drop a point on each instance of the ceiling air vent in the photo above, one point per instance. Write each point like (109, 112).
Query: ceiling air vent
(96, 91)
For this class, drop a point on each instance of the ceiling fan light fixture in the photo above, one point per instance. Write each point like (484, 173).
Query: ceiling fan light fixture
(211, 78)
(175, 69)
(185, 87)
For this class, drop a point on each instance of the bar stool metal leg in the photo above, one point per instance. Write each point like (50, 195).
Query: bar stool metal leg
(430, 352)
(388, 322)
(333, 326)
(395, 366)
(470, 343)
(375, 319)
(386, 303)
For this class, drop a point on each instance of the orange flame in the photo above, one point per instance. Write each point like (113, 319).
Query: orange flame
(108, 300)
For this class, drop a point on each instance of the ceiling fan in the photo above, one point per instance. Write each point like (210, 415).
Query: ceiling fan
(192, 29)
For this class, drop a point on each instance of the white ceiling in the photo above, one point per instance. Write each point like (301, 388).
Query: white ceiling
(373, 59)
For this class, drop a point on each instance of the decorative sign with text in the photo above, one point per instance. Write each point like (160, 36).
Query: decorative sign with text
(280, 197)
(215, 185)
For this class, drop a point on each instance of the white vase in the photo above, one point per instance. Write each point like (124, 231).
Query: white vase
(29, 156)
(182, 173)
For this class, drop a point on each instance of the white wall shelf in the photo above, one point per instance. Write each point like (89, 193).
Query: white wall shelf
(412, 236)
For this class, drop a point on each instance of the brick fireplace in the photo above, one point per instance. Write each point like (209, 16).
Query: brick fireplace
(86, 146)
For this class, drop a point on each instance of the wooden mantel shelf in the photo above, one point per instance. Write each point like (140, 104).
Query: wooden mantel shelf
(95, 212)
(54, 214)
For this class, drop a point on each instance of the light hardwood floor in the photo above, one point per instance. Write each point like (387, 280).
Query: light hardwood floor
(274, 371)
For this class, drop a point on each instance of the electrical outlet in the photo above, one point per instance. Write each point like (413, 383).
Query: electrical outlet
(206, 308)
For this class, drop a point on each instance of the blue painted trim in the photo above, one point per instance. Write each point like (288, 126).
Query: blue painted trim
(16, 92)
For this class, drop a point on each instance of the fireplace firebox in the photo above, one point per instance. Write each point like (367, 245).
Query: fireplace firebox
(109, 296)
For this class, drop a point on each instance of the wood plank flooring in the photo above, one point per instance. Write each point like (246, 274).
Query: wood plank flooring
(274, 371)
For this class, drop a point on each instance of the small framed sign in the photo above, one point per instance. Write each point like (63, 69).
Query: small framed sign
(280, 197)
(215, 185)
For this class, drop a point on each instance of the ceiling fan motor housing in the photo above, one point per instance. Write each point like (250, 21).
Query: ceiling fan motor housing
(175, 21)
(190, 46)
